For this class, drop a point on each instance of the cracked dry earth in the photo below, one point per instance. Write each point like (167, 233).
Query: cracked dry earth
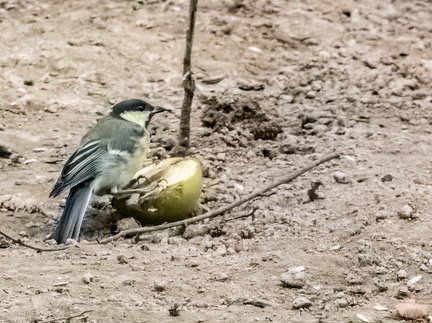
(280, 84)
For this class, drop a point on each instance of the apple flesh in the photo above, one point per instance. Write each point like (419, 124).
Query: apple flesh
(167, 191)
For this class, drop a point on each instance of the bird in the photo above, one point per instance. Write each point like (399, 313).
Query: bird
(111, 152)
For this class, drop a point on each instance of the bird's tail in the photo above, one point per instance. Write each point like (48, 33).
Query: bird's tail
(70, 222)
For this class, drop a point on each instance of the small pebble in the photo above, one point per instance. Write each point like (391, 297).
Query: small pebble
(51, 109)
(289, 145)
(341, 177)
(424, 268)
(387, 178)
(381, 215)
(406, 212)
(363, 318)
(371, 62)
(250, 154)
(122, 260)
(402, 293)
(127, 223)
(318, 130)
(64, 283)
(159, 286)
(221, 156)
(220, 251)
(144, 247)
(414, 280)
(286, 98)
(293, 278)
(29, 161)
(87, 278)
(222, 277)
(401, 275)
(40, 149)
(301, 302)
(311, 94)
(316, 86)
(379, 307)
(341, 302)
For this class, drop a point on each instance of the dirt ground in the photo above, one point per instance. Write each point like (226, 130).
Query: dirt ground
(279, 85)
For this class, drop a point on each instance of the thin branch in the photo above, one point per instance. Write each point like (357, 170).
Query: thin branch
(21, 243)
(250, 213)
(188, 85)
(67, 318)
(212, 214)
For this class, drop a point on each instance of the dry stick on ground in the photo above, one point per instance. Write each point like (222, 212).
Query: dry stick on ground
(188, 85)
(68, 318)
(212, 214)
(18, 241)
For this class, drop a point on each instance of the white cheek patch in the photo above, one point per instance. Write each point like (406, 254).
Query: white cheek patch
(137, 117)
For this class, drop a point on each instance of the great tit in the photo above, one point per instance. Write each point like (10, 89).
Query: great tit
(106, 160)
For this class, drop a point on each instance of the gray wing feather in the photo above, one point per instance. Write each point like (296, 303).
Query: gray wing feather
(86, 162)
(80, 167)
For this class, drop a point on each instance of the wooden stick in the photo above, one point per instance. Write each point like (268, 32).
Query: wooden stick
(188, 85)
(68, 318)
(21, 243)
(214, 213)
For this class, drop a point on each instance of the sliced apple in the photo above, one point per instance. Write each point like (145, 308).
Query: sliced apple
(166, 191)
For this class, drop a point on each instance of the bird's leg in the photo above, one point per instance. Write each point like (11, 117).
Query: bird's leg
(136, 180)
(155, 189)
(141, 191)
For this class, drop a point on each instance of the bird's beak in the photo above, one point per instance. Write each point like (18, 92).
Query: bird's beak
(160, 109)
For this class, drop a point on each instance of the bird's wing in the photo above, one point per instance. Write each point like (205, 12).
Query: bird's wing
(86, 162)
(123, 134)
(83, 165)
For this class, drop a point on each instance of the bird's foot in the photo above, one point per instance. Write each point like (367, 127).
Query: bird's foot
(149, 190)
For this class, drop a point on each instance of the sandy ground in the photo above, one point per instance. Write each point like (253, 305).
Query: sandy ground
(279, 85)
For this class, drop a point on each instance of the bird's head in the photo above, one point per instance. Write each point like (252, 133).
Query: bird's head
(137, 111)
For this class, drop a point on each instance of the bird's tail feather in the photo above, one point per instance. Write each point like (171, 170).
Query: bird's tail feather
(70, 222)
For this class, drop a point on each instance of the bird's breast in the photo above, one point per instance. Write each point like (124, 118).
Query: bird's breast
(120, 166)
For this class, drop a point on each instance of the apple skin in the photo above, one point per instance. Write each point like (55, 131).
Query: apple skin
(179, 185)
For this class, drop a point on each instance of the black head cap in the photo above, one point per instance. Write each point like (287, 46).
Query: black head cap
(131, 105)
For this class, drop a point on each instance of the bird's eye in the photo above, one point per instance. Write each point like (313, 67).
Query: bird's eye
(141, 108)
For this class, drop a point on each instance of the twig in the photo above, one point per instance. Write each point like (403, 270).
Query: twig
(188, 85)
(250, 213)
(18, 241)
(214, 213)
(67, 318)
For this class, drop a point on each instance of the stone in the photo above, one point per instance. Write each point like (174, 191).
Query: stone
(293, 278)
(51, 109)
(87, 278)
(318, 130)
(412, 311)
(401, 275)
(341, 177)
(159, 286)
(316, 86)
(301, 302)
(406, 212)
(289, 145)
(127, 223)
(311, 94)
(122, 260)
